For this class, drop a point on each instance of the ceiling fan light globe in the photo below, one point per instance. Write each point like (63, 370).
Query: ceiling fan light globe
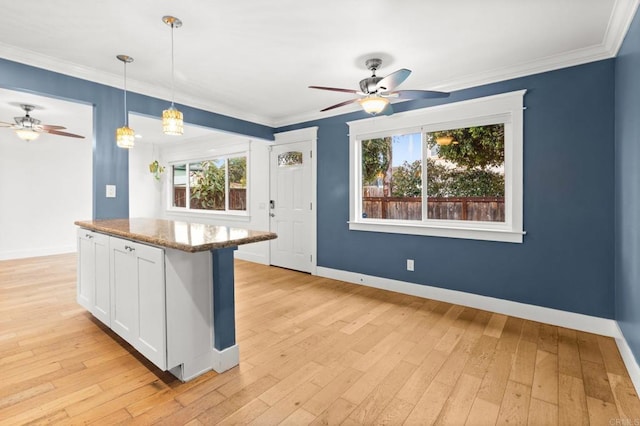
(125, 137)
(27, 134)
(172, 122)
(373, 104)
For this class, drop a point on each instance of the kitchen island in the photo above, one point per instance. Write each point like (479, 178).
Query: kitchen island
(166, 287)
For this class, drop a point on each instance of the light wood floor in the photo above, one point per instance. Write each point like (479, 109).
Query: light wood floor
(313, 351)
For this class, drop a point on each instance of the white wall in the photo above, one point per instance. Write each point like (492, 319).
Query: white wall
(45, 185)
(150, 198)
(145, 192)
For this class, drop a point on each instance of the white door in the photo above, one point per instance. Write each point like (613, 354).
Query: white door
(290, 207)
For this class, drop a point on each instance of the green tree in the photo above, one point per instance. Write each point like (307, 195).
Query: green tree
(376, 158)
(407, 180)
(207, 184)
(478, 147)
(443, 181)
(238, 171)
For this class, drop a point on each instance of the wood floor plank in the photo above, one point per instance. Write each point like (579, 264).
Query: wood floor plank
(625, 396)
(514, 409)
(313, 351)
(572, 401)
(482, 413)
(459, 403)
(542, 413)
(394, 413)
(545, 378)
(429, 406)
(568, 354)
(380, 396)
(524, 363)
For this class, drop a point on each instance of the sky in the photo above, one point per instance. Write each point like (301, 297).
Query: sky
(406, 148)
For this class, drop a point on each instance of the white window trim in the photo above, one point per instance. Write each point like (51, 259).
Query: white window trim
(504, 108)
(240, 215)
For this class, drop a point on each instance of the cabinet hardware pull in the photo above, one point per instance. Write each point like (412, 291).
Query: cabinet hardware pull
(130, 249)
(89, 236)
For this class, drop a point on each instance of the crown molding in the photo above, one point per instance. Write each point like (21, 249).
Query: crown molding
(71, 69)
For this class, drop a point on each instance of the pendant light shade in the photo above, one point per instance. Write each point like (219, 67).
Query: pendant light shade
(172, 122)
(125, 136)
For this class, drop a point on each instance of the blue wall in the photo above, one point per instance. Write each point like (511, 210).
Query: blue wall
(627, 175)
(110, 163)
(566, 261)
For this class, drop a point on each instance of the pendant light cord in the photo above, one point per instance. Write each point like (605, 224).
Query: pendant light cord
(173, 78)
(126, 115)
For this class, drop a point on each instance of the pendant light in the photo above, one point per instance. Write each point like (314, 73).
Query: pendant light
(172, 123)
(125, 136)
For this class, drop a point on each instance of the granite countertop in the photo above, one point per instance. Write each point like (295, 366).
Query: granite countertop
(185, 236)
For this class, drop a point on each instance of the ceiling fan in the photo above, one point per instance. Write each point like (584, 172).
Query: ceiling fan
(375, 91)
(28, 128)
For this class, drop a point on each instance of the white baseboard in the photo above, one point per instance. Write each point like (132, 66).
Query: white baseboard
(225, 359)
(251, 257)
(36, 252)
(629, 360)
(591, 324)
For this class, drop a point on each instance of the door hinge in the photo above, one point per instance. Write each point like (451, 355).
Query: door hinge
(310, 206)
(310, 258)
(310, 154)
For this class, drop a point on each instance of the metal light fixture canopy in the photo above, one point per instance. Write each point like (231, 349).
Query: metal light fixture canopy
(172, 119)
(125, 136)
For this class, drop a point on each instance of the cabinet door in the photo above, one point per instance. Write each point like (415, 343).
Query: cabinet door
(151, 338)
(124, 288)
(86, 269)
(138, 311)
(101, 308)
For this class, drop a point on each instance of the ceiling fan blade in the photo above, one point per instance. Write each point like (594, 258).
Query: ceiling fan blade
(3, 124)
(418, 94)
(51, 127)
(333, 89)
(393, 80)
(388, 110)
(350, 101)
(59, 133)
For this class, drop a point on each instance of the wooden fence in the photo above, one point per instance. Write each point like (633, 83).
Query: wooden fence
(237, 199)
(488, 209)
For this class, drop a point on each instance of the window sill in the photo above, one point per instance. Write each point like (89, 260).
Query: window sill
(471, 233)
(227, 216)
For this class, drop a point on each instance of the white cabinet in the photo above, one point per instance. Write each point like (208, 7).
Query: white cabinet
(93, 274)
(138, 309)
(158, 300)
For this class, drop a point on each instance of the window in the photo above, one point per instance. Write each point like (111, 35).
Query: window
(217, 184)
(453, 170)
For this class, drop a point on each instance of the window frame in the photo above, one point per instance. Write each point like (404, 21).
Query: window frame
(507, 108)
(171, 208)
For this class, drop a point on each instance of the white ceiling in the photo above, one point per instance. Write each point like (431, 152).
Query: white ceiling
(254, 59)
(76, 117)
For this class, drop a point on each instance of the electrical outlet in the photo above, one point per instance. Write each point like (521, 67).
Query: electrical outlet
(111, 191)
(409, 264)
